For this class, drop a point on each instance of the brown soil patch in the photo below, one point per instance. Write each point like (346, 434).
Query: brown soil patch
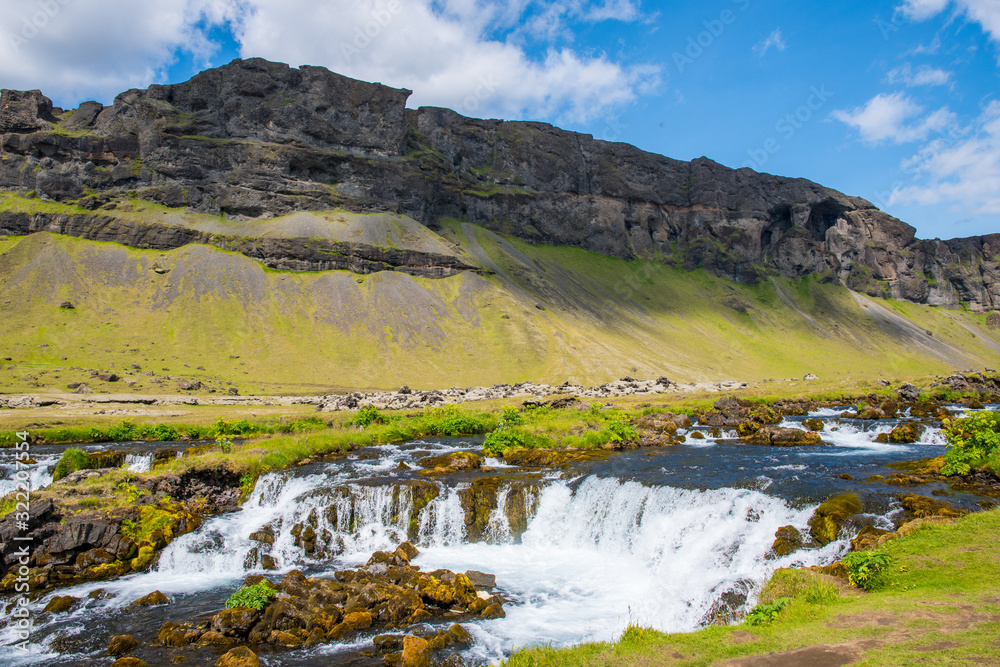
(742, 637)
(939, 646)
(813, 656)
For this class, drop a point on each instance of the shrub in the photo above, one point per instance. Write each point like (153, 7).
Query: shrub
(71, 461)
(254, 597)
(124, 431)
(867, 569)
(765, 613)
(973, 443)
(500, 441)
(165, 432)
(452, 421)
(367, 415)
(510, 416)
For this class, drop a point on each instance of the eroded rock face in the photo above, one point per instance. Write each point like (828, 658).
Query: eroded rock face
(258, 139)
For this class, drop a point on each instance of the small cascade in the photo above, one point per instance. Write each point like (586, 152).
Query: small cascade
(442, 522)
(138, 462)
(39, 475)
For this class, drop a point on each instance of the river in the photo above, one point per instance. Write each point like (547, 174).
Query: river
(664, 537)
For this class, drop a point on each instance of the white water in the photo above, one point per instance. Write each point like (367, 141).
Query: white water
(39, 474)
(854, 437)
(138, 462)
(598, 553)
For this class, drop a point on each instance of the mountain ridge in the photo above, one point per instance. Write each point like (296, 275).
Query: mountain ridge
(255, 139)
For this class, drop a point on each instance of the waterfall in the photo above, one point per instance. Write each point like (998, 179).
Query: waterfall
(138, 462)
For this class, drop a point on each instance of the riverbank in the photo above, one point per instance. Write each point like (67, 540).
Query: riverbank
(939, 606)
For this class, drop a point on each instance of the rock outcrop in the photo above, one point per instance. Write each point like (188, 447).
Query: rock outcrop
(256, 139)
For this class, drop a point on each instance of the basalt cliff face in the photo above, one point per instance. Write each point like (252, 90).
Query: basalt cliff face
(254, 140)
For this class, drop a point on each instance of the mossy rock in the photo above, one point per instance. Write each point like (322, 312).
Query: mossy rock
(61, 604)
(814, 424)
(453, 462)
(922, 507)
(787, 539)
(868, 538)
(926, 466)
(826, 522)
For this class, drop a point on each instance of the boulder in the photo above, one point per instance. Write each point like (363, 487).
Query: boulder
(240, 656)
(783, 437)
(129, 662)
(416, 652)
(826, 522)
(481, 580)
(904, 433)
(61, 604)
(122, 644)
(908, 392)
(153, 599)
(235, 622)
(787, 539)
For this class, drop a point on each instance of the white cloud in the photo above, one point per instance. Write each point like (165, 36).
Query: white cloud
(774, 40)
(962, 170)
(984, 12)
(893, 117)
(78, 53)
(920, 10)
(471, 55)
(921, 76)
(447, 58)
(618, 10)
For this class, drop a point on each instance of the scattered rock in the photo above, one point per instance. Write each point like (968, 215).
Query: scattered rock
(66, 305)
(129, 662)
(416, 652)
(122, 644)
(240, 656)
(783, 437)
(61, 604)
(787, 539)
(153, 599)
(826, 522)
(908, 392)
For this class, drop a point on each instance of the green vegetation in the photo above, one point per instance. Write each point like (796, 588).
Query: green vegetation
(766, 612)
(127, 430)
(868, 569)
(973, 444)
(601, 317)
(71, 461)
(253, 597)
(938, 605)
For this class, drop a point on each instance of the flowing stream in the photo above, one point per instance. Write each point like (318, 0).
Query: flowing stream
(668, 538)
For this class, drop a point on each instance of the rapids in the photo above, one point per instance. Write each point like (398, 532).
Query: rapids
(669, 538)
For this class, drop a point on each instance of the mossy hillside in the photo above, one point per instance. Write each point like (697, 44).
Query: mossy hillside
(694, 319)
(301, 332)
(382, 230)
(939, 606)
(600, 318)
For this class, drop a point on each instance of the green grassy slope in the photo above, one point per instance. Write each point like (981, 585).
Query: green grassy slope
(544, 313)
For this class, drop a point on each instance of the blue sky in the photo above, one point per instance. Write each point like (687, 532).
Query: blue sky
(891, 100)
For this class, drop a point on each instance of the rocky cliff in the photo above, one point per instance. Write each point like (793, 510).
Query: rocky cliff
(255, 140)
